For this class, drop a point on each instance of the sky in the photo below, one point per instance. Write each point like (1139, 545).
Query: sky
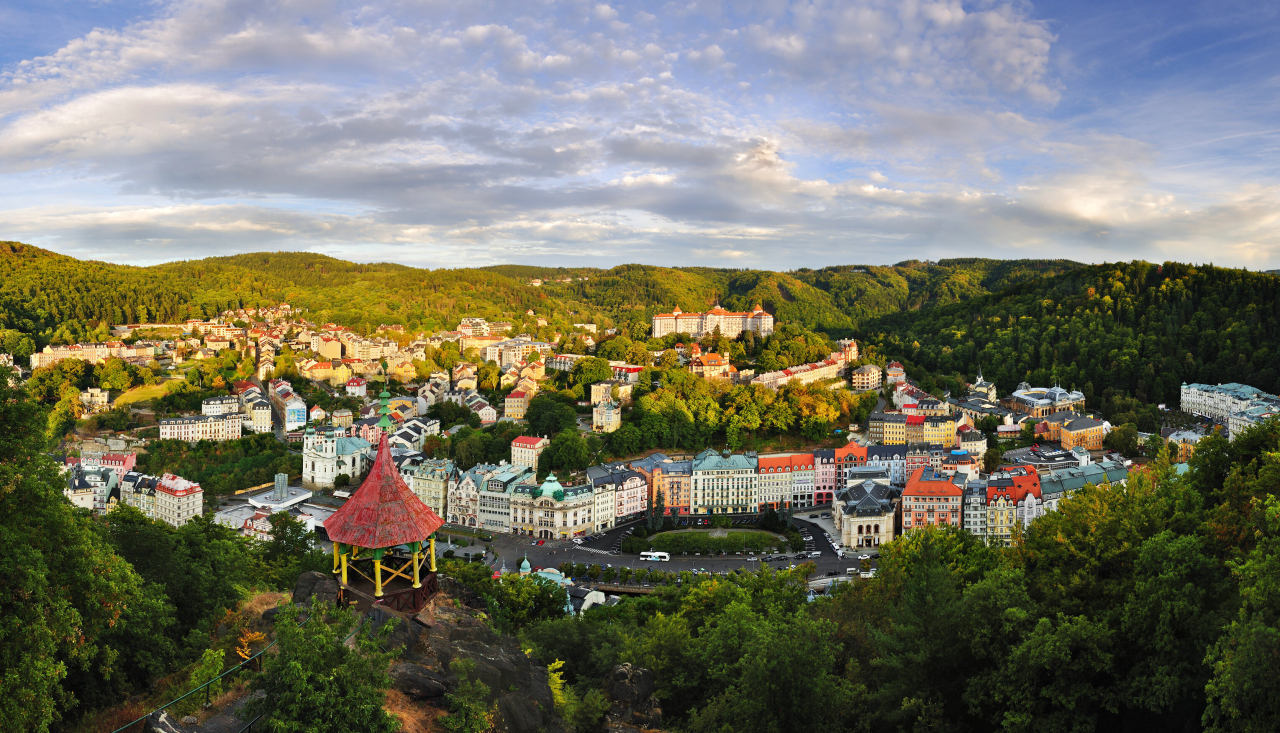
(771, 135)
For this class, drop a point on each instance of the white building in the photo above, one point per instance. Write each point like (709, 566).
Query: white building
(526, 449)
(202, 427)
(169, 498)
(731, 324)
(224, 405)
(329, 452)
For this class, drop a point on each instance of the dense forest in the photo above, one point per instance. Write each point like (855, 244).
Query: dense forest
(1131, 328)
(1148, 607)
(51, 298)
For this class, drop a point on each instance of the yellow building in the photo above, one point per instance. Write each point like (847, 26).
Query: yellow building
(515, 404)
(1184, 442)
(866, 377)
(1084, 432)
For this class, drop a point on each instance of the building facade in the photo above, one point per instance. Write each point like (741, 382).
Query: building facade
(202, 427)
(697, 325)
(724, 483)
(931, 499)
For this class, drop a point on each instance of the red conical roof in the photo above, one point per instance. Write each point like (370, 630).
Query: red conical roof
(383, 512)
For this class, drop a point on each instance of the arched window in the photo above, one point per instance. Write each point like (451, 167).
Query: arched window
(877, 529)
(859, 529)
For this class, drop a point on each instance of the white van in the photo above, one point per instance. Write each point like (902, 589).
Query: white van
(815, 553)
(868, 573)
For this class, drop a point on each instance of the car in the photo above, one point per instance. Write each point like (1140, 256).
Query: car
(832, 573)
(851, 571)
(864, 557)
(577, 540)
(535, 543)
(826, 515)
(541, 543)
(813, 516)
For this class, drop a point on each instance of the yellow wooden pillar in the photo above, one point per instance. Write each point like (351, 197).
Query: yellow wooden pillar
(377, 573)
(336, 561)
(344, 568)
(417, 555)
(433, 553)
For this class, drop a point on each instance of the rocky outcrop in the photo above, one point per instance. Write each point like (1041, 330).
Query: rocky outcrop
(517, 684)
(632, 703)
(313, 584)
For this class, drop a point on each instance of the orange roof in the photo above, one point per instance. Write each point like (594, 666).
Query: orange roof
(527, 441)
(932, 485)
(794, 461)
(851, 449)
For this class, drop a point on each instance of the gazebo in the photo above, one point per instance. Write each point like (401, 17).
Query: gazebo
(383, 515)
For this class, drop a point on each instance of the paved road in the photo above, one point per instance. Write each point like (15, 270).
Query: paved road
(553, 552)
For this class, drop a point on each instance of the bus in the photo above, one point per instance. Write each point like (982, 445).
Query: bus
(655, 556)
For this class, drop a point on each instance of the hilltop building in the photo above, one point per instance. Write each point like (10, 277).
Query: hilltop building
(731, 324)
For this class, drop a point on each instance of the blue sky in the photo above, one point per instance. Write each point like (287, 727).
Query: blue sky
(771, 134)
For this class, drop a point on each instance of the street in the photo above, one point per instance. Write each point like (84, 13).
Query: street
(510, 550)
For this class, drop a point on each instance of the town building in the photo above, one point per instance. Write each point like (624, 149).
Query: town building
(610, 390)
(95, 400)
(526, 449)
(697, 325)
(1042, 401)
(830, 368)
(712, 366)
(328, 453)
(606, 417)
(890, 458)
(201, 427)
(672, 480)
(931, 499)
(865, 513)
(341, 418)
(865, 378)
(628, 488)
(221, 405)
(1084, 432)
(894, 373)
(431, 479)
(1059, 484)
(826, 478)
(1013, 500)
(464, 499)
(725, 483)
(168, 498)
(552, 511)
(494, 507)
(515, 404)
(1183, 443)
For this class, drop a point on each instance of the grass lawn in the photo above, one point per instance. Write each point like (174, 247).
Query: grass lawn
(141, 394)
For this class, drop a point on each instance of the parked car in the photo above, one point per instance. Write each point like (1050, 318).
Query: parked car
(541, 543)
(864, 557)
(577, 540)
(813, 516)
(832, 573)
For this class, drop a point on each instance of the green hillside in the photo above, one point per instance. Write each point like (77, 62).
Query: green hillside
(1136, 328)
(56, 299)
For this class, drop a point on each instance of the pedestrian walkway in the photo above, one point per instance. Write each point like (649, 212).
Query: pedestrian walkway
(592, 549)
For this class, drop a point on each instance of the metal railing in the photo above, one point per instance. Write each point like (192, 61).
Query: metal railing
(205, 687)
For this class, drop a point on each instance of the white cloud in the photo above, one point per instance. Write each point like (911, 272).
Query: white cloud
(494, 131)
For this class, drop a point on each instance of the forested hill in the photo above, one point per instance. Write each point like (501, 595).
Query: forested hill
(1137, 327)
(56, 298)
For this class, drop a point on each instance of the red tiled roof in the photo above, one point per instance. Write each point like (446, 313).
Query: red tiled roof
(527, 441)
(383, 512)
